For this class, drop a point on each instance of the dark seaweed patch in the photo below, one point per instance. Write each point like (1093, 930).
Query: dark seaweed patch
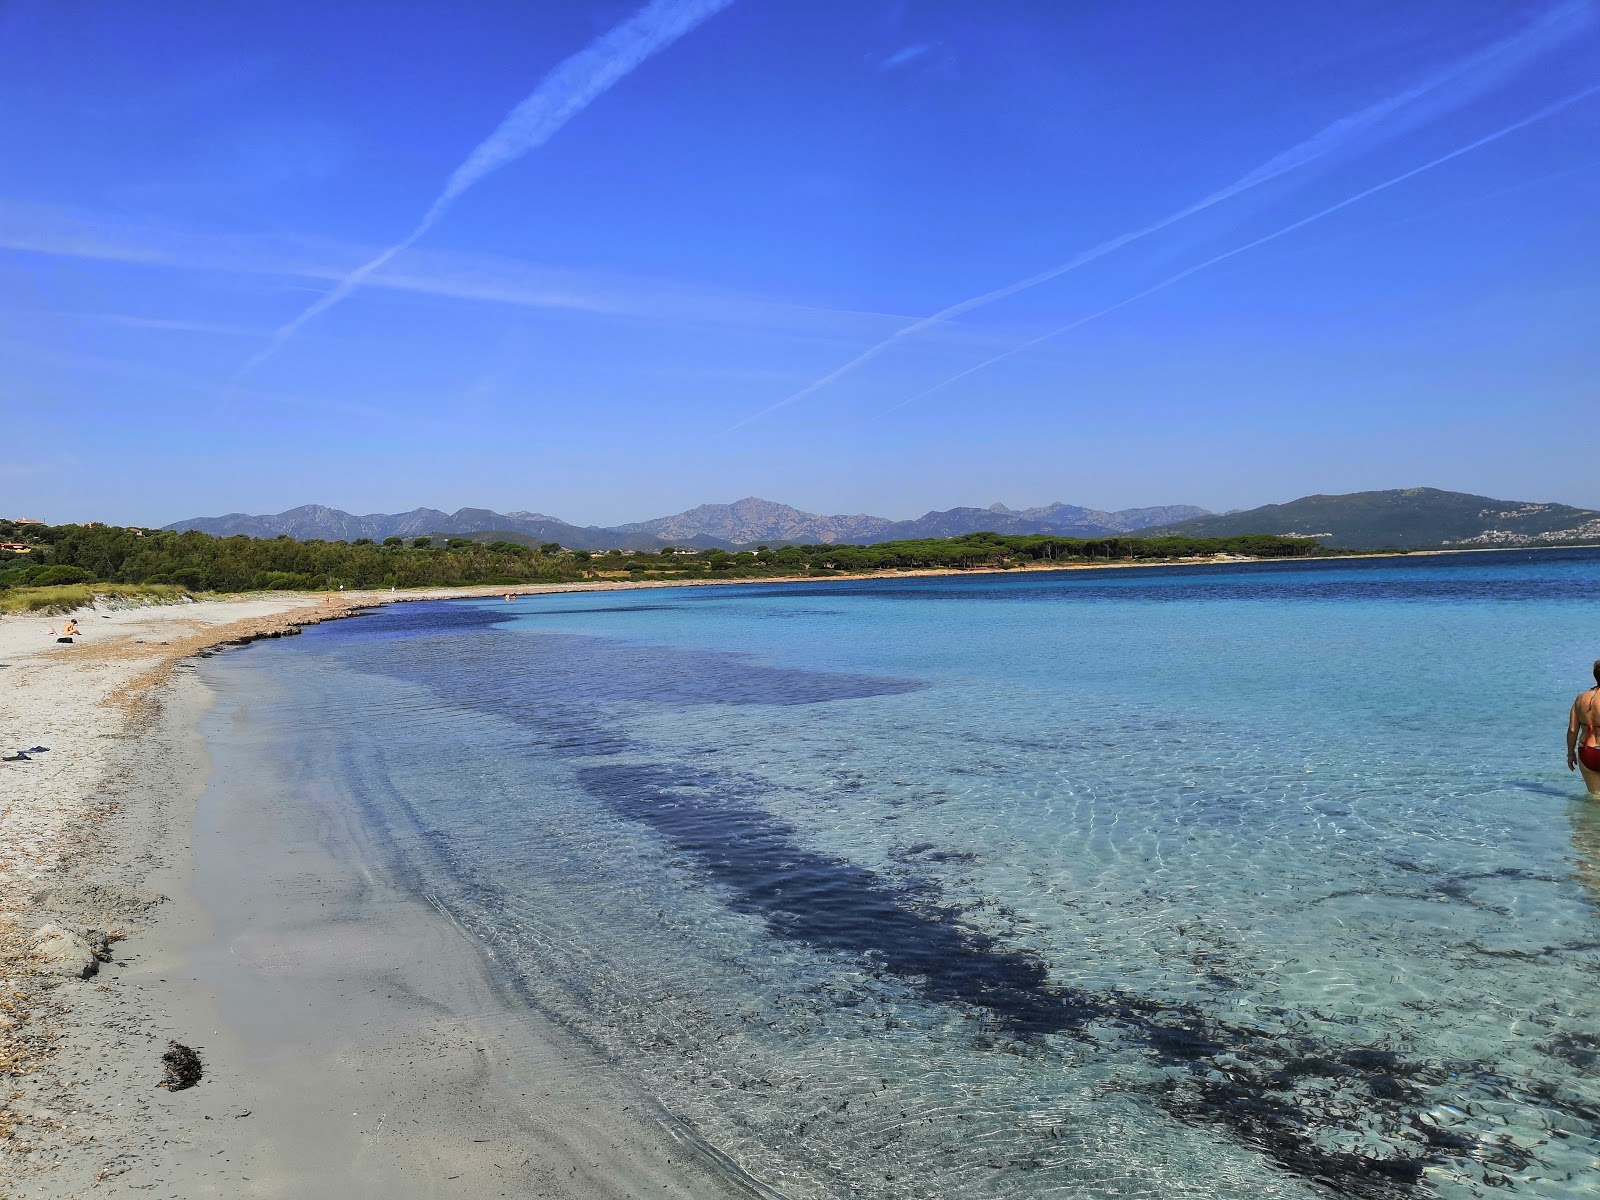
(1279, 1130)
(1541, 789)
(1582, 1050)
(950, 856)
(183, 1068)
(1272, 1093)
(528, 676)
(1509, 873)
(835, 905)
(406, 621)
(1459, 887)
(926, 852)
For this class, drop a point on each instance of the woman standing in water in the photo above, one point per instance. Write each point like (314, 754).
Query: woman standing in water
(1584, 718)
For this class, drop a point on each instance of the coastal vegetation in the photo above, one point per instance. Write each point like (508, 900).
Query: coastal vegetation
(82, 555)
(67, 597)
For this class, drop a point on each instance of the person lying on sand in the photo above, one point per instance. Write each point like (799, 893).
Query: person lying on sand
(1585, 716)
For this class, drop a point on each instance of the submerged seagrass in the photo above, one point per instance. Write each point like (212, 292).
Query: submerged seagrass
(1240, 880)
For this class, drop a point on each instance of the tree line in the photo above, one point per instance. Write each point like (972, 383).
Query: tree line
(65, 554)
(201, 562)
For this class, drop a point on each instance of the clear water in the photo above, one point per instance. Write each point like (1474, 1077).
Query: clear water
(1255, 880)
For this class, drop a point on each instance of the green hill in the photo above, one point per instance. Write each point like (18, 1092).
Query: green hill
(1406, 517)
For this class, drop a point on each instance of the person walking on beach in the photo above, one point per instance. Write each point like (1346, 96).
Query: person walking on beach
(1583, 752)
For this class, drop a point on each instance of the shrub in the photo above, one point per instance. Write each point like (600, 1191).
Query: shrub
(57, 575)
(282, 581)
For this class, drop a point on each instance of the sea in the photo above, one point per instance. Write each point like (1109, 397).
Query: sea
(1256, 880)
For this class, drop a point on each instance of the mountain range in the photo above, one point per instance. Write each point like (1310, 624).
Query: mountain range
(1412, 518)
(1407, 517)
(747, 522)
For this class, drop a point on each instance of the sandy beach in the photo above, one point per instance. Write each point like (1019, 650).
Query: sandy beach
(351, 1039)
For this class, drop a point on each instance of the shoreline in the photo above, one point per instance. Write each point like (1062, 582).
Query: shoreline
(199, 920)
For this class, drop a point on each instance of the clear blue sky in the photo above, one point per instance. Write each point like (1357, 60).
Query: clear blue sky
(628, 318)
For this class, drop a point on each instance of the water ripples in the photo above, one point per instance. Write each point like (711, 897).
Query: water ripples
(919, 894)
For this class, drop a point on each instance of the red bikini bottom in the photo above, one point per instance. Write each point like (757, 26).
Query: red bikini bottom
(1589, 756)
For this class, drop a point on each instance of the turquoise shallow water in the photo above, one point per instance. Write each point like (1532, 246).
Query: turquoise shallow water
(1256, 880)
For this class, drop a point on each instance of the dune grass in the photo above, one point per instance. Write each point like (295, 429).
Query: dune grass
(67, 596)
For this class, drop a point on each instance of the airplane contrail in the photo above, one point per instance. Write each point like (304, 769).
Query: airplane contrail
(1548, 111)
(1533, 38)
(565, 92)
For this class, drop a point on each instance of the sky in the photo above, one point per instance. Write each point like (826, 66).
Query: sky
(610, 260)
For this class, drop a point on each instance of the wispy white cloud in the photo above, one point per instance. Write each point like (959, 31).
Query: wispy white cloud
(570, 88)
(439, 274)
(1470, 75)
(1544, 113)
(905, 55)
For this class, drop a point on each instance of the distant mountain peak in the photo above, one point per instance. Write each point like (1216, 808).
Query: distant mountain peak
(1406, 517)
(531, 516)
(746, 522)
